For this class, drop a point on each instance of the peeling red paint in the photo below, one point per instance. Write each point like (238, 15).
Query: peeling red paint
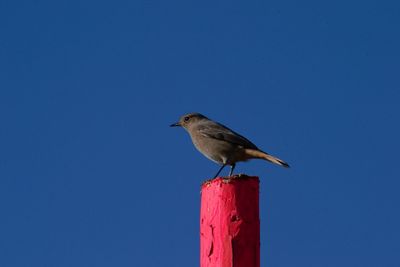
(229, 222)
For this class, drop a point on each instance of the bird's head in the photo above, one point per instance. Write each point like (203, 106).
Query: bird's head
(186, 120)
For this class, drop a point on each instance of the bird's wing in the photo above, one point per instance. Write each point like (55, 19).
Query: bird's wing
(221, 132)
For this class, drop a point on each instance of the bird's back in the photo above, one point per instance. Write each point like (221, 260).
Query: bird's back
(214, 130)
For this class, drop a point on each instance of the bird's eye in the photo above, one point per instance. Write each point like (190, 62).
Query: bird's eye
(186, 119)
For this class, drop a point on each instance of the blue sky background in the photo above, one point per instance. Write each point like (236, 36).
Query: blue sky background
(91, 174)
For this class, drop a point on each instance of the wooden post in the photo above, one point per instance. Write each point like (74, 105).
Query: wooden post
(229, 222)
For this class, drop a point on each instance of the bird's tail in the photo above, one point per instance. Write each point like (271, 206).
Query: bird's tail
(262, 155)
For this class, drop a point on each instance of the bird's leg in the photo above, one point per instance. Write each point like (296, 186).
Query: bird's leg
(219, 171)
(232, 167)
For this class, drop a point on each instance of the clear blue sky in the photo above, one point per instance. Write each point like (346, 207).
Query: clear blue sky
(91, 174)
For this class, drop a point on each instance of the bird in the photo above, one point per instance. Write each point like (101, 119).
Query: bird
(221, 144)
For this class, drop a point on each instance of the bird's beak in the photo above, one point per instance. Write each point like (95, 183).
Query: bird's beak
(175, 124)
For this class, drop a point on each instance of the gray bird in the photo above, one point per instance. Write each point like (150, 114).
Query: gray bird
(220, 144)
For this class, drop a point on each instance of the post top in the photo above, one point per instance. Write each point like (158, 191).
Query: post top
(229, 179)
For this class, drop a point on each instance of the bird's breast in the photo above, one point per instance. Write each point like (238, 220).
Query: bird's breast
(216, 150)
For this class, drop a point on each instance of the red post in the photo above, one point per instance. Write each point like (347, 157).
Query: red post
(230, 223)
